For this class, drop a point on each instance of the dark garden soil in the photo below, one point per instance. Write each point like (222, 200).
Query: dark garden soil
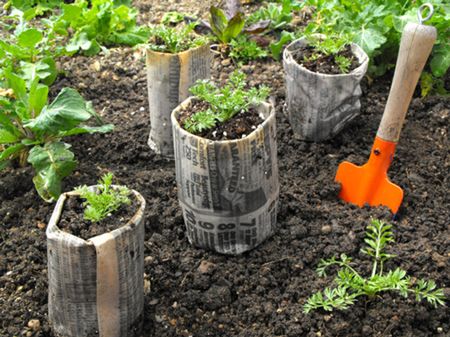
(72, 220)
(198, 293)
(318, 62)
(236, 127)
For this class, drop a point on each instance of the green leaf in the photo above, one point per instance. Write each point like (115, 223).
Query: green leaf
(7, 124)
(52, 70)
(10, 151)
(70, 12)
(277, 47)
(37, 98)
(77, 42)
(132, 37)
(234, 27)
(369, 39)
(32, 70)
(18, 85)
(218, 22)
(122, 2)
(67, 111)
(30, 38)
(87, 129)
(52, 163)
(440, 61)
(7, 137)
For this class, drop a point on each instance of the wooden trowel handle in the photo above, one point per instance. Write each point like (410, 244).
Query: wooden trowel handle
(415, 47)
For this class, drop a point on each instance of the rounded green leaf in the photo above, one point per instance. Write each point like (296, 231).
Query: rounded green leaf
(30, 38)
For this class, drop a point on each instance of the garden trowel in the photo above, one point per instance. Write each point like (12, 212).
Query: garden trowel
(369, 184)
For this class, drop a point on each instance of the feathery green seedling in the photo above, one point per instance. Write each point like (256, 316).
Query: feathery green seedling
(330, 45)
(174, 39)
(107, 199)
(351, 285)
(244, 49)
(224, 103)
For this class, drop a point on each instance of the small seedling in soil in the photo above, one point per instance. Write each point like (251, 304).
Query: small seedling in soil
(172, 18)
(351, 285)
(329, 55)
(223, 103)
(173, 40)
(243, 49)
(105, 200)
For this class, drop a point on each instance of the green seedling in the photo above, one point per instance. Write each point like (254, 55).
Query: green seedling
(244, 50)
(351, 285)
(172, 18)
(330, 45)
(224, 103)
(103, 201)
(343, 63)
(174, 39)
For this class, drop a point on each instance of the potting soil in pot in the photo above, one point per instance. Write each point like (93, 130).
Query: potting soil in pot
(72, 220)
(325, 64)
(237, 127)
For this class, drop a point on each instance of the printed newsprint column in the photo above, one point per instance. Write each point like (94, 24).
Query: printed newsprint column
(74, 298)
(228, 190)
(320, 105)
(169, 77)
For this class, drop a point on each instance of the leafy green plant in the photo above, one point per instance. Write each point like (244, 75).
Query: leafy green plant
(33, 7)
(244, 49)
(224, 103)
(279, 14)
(31, 130)
(101, 23)
(376, 26)
(103, 200)
(224, 27)
(228, 23)
(351, 285)
(174, 39)
(28, 51)
(172, 18)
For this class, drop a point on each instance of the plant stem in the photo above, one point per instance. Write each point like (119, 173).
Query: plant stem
(377, 253)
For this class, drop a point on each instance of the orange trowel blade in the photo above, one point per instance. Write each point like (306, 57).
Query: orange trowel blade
(369, 184)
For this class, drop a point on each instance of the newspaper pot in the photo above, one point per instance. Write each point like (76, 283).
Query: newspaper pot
(169, 77)
(320, 105)
(96, 286)
(228, 190)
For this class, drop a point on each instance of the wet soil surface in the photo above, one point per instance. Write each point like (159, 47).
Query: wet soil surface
(237, 127)
(316, 61)
(260, 293)
(72, 219)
